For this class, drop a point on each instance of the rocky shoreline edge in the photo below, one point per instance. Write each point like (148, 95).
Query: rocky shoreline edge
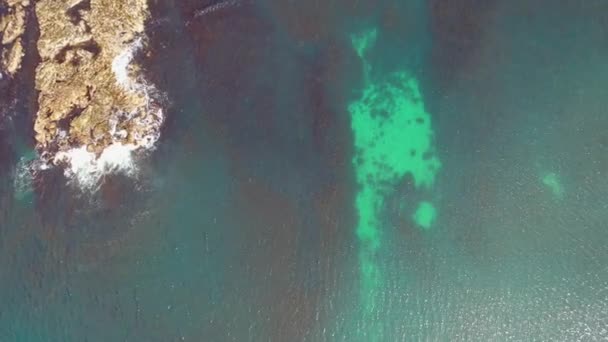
(93, 106)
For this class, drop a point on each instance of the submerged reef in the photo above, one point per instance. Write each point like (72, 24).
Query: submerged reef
(393, 140)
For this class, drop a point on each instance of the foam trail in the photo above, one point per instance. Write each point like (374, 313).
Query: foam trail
(216, 7)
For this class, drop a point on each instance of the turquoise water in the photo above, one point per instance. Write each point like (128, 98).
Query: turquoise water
(284, 202)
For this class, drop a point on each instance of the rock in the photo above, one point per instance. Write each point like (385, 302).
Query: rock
(81, 91)
(78, 58)
(12, 28)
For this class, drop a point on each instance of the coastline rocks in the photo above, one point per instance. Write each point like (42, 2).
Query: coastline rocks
(90, 91)
(12, 28)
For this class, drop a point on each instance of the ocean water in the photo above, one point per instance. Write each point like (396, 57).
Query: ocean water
(417, 170)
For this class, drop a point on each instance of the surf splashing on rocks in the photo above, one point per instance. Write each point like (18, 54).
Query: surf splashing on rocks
(86, 168)
(151, 117)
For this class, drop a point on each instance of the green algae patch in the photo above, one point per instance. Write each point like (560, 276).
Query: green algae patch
(393, 135)
(425, 215)
(551, 181)
(364, 41)
(393, 138)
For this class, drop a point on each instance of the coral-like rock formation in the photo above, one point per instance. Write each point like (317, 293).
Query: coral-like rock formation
(12, 28)
(90, 94)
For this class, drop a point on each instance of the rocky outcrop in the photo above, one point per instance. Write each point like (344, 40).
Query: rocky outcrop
(90, 93)
(12, 28)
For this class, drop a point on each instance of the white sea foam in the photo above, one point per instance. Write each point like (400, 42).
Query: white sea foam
(151, 117)
(26, 170)
(22, 180)
(86, 168)
(121, 63)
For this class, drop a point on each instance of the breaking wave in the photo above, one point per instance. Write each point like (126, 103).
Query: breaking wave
(151, 116)
(87, 169)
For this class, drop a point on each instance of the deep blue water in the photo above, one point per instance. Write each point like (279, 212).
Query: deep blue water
(241, 225)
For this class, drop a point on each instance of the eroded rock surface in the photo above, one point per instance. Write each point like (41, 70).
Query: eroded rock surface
(12, 29)
(90, 91)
